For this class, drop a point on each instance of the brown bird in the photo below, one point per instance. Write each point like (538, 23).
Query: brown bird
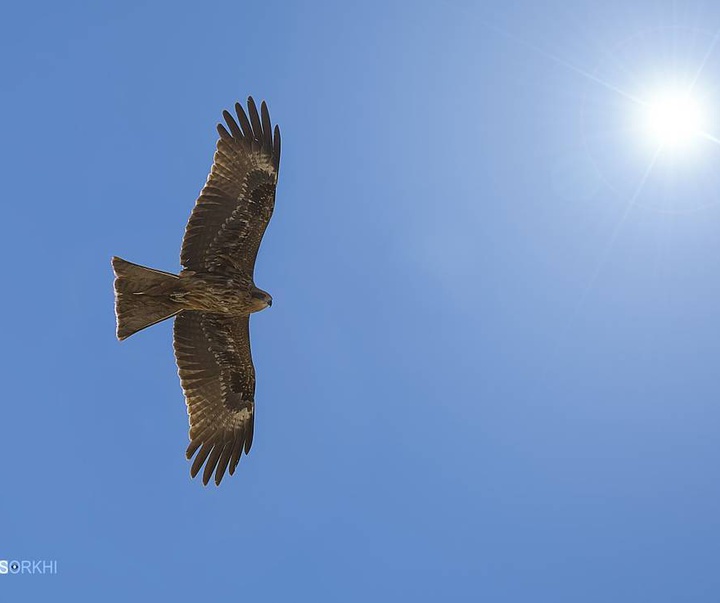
(214, 294)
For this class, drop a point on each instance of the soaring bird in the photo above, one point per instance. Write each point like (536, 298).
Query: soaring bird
(215, 293)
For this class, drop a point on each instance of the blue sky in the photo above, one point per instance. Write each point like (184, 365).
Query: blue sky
(490, 369)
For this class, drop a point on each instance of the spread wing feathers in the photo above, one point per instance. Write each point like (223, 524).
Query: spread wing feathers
(235, 206)
(218, 378)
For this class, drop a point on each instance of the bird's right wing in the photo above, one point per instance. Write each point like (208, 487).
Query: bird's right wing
(233, 210)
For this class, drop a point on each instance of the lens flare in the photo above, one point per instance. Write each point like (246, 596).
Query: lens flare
(674, 119)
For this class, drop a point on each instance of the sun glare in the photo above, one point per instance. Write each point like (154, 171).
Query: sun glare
(649, 123)
(674, 119)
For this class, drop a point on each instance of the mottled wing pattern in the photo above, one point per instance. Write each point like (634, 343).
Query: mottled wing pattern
(218, 378)
(234, 208)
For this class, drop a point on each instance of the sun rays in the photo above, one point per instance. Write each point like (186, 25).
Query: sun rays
(674, 119)
(647, 128)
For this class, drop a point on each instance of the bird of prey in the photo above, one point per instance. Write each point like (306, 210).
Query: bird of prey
(214, 294)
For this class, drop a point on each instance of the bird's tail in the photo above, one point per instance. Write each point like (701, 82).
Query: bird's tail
(142, 297)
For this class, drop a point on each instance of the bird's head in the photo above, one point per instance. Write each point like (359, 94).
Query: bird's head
(260, 299)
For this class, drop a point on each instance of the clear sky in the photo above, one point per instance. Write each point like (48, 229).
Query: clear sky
(490, 372)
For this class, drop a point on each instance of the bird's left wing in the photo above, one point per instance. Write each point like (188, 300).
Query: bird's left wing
(233, 210)
(218, 379)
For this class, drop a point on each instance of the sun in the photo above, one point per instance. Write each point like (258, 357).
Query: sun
(674, 119)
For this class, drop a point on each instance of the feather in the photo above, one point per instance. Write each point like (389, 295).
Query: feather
(224, 460)
(247, 130)
(224, 134)
(266, 128)
(212, 462)
(232, 124)
(200, 458)
(276, 148)
(255, 119)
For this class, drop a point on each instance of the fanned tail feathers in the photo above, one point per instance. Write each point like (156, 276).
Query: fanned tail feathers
(142, 296)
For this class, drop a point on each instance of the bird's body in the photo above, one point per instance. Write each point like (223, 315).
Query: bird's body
(214, 295)
(190, 290)
(221, 294)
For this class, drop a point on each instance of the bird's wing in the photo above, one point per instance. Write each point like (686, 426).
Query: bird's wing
(218, 379)
(234, 207)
